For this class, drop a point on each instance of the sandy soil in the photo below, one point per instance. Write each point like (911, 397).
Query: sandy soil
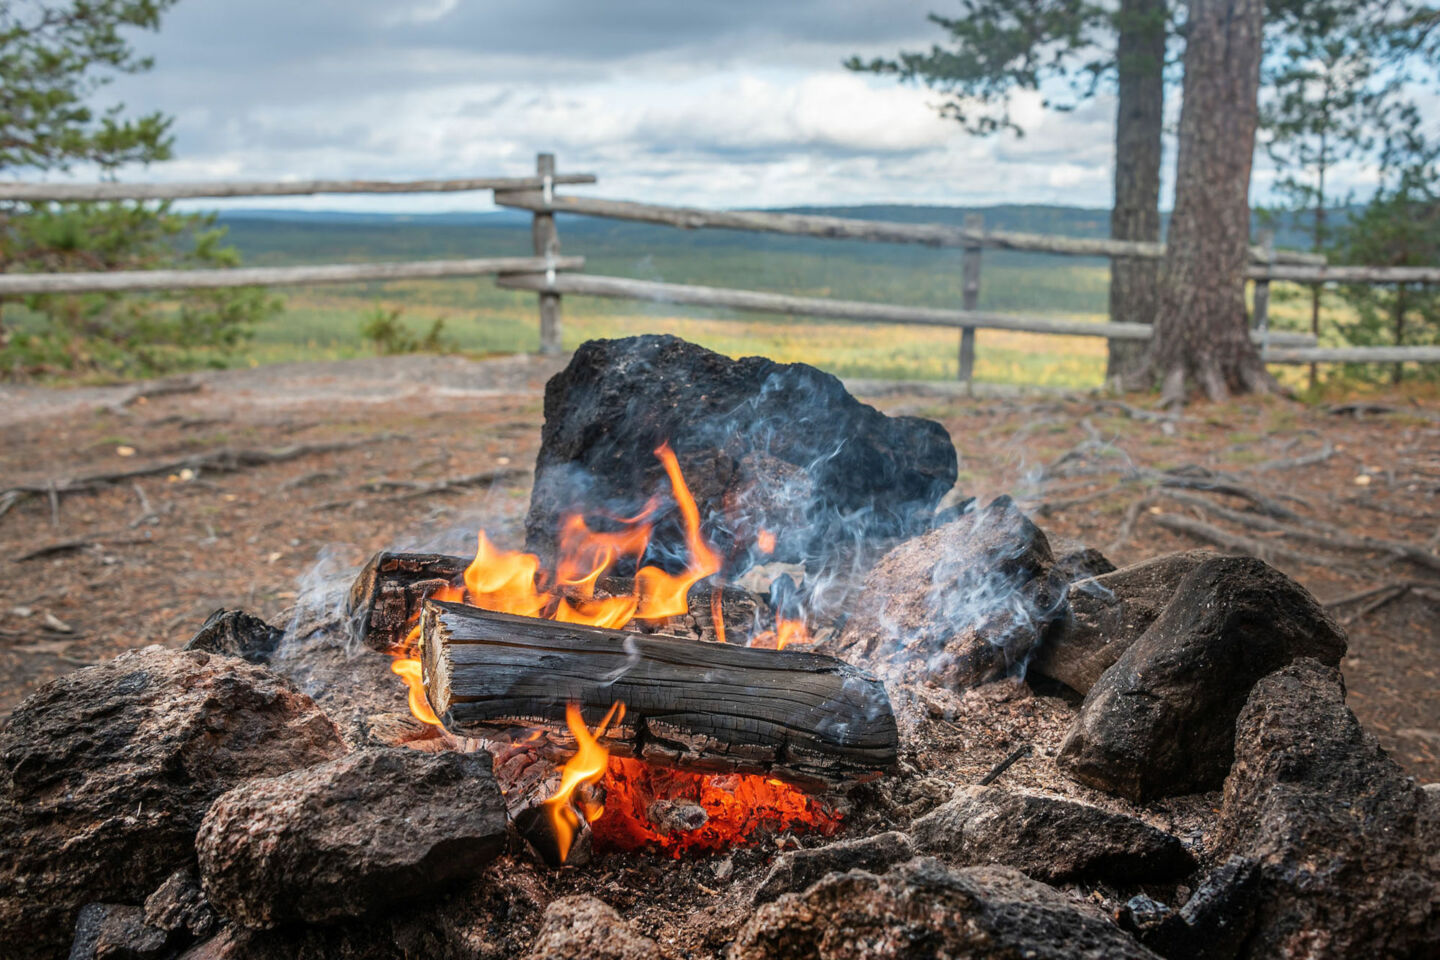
(145, 561)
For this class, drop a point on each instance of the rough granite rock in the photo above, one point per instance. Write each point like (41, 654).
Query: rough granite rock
(922, 910)
(106, 772)
(377, 827)
(110, 931)
(762, 445)
(1049, 839)
(493, 917)
(1348, 846)
(797, 869)
(179, 907)
(584, 928)
(959, 606)
(1161, 721)
(1106, 613)
(235, 633)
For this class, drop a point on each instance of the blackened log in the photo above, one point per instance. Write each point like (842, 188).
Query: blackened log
(803, 718)
(386, 596)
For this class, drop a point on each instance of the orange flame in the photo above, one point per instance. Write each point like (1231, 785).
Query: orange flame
(786, 632)
(408, 670)
(586, 766)
(765, 542)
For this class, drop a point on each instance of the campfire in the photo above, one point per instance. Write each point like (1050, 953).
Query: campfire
(757, 680)
(636, 792)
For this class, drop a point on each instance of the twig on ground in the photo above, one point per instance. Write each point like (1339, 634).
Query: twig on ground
(54, 498)
(412, 490)
(1046, 507)
(1395, 592)
(1237, 543)
(1127, 523)
(1326, 451)
(306, 479)
(77, 543)
(146, 511)
(1004, 765)
(153, 388)
(223, 460)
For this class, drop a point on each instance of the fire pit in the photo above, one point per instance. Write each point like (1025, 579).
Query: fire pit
(757, 685)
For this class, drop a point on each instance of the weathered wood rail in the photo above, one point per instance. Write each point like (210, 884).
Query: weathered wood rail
(547, 273)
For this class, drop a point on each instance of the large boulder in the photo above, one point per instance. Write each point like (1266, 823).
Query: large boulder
(762, 445)
(922, 909)
(962, 605)
(1049, 839)
(1348, 846)
(1108, 612)
(1161, 721)
(380, 826)
(106, 773)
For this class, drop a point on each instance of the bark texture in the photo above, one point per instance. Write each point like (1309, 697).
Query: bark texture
(1200, 326)
(1139, 119)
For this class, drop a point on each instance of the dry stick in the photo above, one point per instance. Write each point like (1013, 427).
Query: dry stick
(54, 504)
(146, 510)
(1305, 460)
(224, 460)
(79, 543)
(1127, 524)
(1236, 543)
(1004, 765)
(415, 491)
(1376, 604)
(1324, 535)
(1047, 507)
(155, 388)
(1218, 483)
(1359, 595)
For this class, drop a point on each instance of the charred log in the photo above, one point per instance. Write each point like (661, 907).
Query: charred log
(806, 719)
(386, 597)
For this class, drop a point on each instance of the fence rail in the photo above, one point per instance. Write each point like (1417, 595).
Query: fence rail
(78, 192)
(546, 272)
(136, 280)
(845, 228)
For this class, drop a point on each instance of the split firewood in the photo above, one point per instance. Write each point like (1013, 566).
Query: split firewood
(386, 596)
(809, 720)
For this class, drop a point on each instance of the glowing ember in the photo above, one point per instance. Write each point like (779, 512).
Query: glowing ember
(736, 805)
(586, 766)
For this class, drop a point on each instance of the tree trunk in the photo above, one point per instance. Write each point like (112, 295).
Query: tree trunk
(1200, 329)
(1139, 117)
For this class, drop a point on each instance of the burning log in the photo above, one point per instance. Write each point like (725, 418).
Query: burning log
(801, 718)
(386, 596)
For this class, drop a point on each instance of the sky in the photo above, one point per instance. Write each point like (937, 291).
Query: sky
(741, 103)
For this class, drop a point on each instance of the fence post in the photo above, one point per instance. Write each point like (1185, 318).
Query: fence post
(547, 244)
(1260, 316)
(970, 293)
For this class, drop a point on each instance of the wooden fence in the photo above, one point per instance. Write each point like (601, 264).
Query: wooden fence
(552, 276)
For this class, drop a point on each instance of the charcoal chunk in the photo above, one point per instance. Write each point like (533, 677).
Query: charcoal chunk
(111, 931)
(235, 633)
(797, 869)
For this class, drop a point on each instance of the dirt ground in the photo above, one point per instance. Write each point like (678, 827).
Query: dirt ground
(1347, 500)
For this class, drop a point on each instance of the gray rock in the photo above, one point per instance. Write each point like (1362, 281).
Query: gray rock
(781, 447)
(797, 869)
(375, 828)
(235, 633)
(1348, 846)
(922, 910)
(110, 931)
(585, 928)
(105, 774)
(1161, 721)
(960, 606)
(1049, 839)
(1106, 613)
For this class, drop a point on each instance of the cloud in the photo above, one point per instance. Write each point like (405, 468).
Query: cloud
(742, 103)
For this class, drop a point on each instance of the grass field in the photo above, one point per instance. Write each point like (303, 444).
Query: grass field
(320, 323)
